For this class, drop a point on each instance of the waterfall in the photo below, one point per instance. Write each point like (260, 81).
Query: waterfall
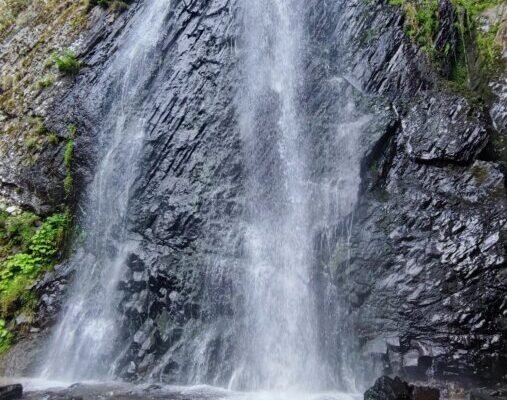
(279, 341)
(237, 300)
(303, 175)
(84, 340)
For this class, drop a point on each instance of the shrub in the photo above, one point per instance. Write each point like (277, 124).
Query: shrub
(67, 62)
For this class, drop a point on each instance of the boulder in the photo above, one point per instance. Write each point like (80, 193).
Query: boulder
(386, 388)
(425, 393)
(11, 392)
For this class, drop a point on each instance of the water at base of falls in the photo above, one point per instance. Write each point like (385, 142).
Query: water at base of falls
(40, 388)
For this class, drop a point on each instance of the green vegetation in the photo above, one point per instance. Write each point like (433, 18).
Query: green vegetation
(36, 129)
(37, 134)
(113, 5)
(9, 11)
(68, 156)
(66, 62)
(421, 20)
(53, 138)
(29, 247)
(45, 82)
(477, 57)
(5, 337)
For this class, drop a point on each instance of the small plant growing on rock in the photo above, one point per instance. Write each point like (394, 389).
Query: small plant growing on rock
(119, 6)
(5, 337)
(114, 5)
(67, 62)
(45, 82)
(68, 155)
(53, 138)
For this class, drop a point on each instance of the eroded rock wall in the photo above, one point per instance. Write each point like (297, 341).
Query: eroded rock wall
(425, 280)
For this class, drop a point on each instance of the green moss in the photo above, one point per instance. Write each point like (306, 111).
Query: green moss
(31, 142)
(34, 138)
(45, 82)
(53, 138)
(68, 184)
(66, 62)
(72, 129)
(5, 337)
(68, 156)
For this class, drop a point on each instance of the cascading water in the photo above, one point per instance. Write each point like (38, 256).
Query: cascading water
(82, 345)
(279, 343)
(298, 182)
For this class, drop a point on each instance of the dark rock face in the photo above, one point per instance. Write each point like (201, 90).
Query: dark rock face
(442, 127)
(426, 272)
(386, 388)
(11, 392)
(418, 277)
(178, 292)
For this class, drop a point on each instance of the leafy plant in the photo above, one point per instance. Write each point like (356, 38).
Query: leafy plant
(20, 270)
(67, 62)
(17, 230)
(47, 240)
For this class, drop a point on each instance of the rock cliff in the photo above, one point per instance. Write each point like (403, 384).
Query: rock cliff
(417, 268)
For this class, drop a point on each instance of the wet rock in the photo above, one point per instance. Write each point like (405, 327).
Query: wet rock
(424, 244)
(441, 127)
(486, 394)
(447, 38)
(386, 388)
(425, 393)
(418, 272)
(11, 392)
